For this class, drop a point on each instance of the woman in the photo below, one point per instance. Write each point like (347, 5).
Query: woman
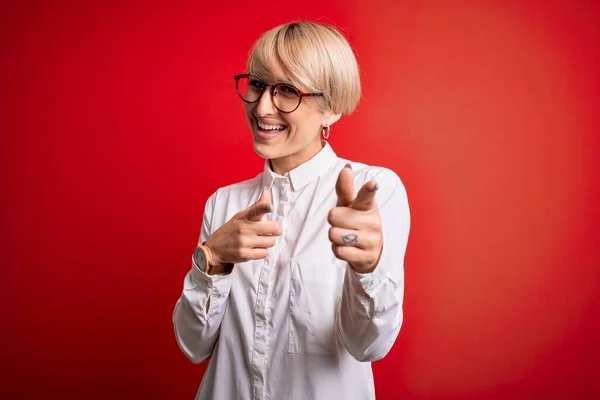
(297, 282)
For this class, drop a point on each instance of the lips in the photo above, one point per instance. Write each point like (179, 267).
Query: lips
(271, 127)
(267, 130)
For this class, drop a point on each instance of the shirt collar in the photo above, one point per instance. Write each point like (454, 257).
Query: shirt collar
(306, 172)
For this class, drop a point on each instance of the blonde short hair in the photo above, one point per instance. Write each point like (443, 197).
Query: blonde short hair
(315, 57)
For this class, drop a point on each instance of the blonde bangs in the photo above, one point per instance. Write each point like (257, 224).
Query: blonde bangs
(314, 58)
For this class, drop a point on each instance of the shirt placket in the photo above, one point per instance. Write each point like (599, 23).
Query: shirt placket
(263, 310)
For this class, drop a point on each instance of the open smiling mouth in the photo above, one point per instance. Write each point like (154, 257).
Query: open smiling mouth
(268, 131)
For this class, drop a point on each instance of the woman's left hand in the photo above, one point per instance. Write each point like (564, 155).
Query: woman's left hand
(355, 232)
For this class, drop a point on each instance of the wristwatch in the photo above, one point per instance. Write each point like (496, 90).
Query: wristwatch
(202, 258)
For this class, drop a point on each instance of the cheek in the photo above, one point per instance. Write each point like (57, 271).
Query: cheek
(248, 110)
(299, 125)
(306, 128)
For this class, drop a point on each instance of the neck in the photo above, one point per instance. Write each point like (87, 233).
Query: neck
(285, 164)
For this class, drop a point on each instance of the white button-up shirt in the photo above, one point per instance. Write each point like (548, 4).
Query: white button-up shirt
(299, 324)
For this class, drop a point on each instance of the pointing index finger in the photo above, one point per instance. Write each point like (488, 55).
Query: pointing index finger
(365, 199)
(259, 209)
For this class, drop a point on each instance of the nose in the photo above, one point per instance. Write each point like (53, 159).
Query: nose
(265, 104)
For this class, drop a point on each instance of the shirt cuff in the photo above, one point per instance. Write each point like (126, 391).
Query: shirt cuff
(370, 283)
(202, 279)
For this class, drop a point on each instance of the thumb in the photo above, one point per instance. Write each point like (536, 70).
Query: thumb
(259, 209)
(344, 187)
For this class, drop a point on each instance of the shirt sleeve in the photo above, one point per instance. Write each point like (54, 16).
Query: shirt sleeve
(370, 311)
(199, 311)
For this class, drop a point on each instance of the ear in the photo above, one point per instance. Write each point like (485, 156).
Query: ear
(330, 119)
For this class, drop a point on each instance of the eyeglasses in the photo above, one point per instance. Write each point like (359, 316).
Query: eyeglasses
(285, 98)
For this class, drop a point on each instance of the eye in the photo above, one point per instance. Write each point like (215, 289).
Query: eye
(256, 83)
(289, 90)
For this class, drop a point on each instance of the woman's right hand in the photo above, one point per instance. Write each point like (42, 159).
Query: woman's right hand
(245, 236)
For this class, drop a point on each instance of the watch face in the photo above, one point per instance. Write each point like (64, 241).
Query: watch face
(200, 258)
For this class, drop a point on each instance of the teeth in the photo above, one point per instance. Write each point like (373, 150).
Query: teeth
(270, 127)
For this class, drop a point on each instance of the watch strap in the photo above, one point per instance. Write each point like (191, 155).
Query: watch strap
(209, 260)
(208, 257)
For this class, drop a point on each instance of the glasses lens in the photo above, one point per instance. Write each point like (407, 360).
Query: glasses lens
(249, 89)
(286, 97)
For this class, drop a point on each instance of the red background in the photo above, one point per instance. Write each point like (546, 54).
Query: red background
(119, 119)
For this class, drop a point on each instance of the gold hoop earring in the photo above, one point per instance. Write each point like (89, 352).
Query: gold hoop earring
(325, 132)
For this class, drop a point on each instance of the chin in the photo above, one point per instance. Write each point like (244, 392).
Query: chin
(269, 149)
(264, 150)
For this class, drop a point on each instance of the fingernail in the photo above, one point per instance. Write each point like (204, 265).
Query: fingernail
(268, 208)
(348, 166)
(376, 186)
